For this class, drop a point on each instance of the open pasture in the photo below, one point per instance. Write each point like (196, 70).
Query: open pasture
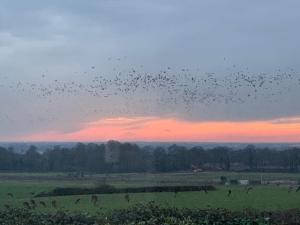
(16, 189)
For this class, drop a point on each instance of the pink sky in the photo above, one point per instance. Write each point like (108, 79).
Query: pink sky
(172, 129)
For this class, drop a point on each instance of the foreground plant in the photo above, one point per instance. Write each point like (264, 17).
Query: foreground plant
(151, 214)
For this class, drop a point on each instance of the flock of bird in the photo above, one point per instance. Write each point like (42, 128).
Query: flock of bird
(183, 86)
(166, 89)
(33, 204)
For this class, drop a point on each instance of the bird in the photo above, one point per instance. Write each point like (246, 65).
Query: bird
(10, 195)
(249, 189)
(33, 203)
(77, 201)
(42, 203)
(127, 197)
(94, 199)
(229, 193)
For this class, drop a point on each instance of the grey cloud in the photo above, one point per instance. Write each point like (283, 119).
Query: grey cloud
(63, 39)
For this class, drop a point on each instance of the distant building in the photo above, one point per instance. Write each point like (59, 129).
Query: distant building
(196, 169)
(243, 182)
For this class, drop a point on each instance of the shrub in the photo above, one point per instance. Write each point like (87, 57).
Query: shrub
(107, 189)
(152, 214)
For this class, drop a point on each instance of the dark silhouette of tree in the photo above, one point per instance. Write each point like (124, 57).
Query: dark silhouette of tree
(116, 157)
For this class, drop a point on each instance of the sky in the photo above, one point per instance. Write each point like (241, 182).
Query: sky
(63, 67)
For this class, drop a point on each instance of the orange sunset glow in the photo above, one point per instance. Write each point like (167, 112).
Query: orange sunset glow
(172, 129)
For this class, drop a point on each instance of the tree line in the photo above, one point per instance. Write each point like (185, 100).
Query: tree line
(116, 157)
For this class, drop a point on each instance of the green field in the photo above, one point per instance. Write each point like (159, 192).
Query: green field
(24, 186)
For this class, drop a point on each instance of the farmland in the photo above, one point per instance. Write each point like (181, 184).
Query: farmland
(275, 196)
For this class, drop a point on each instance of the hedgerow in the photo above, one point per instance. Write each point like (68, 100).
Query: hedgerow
(151, 214)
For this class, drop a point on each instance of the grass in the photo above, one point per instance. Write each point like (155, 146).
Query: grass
(260, 198)
(148, 179)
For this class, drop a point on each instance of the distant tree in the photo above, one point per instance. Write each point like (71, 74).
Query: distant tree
(127, 157)
(32, 159)
(160, 159)
(250, 151)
